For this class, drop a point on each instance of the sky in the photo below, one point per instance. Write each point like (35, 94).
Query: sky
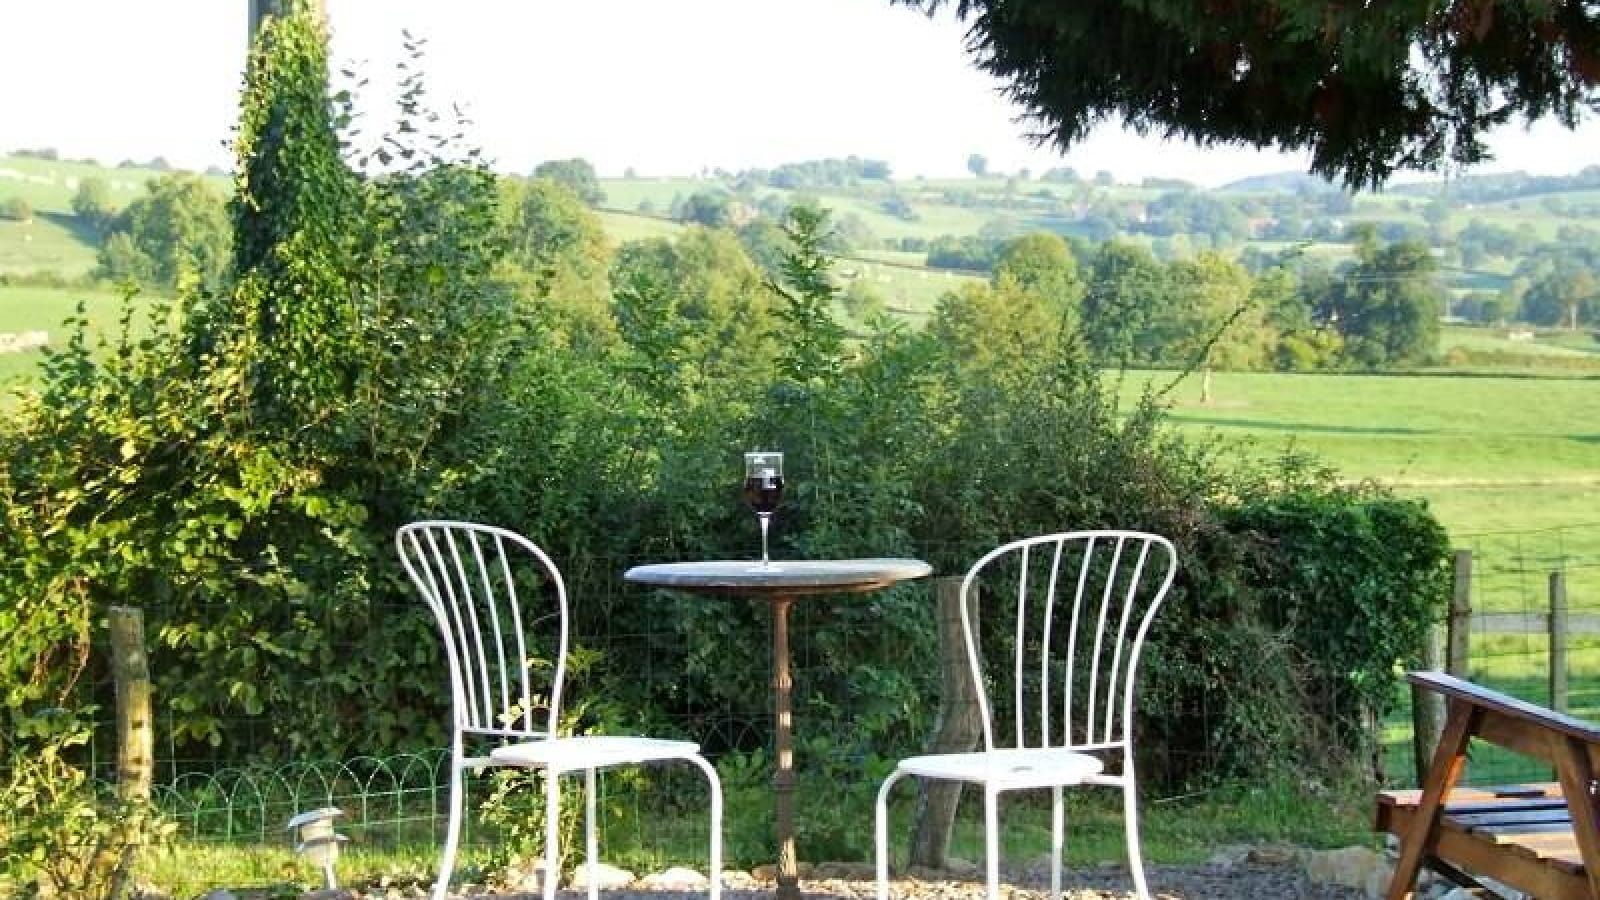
(664, 88)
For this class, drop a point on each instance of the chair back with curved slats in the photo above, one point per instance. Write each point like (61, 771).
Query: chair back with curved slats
(492, 592)
(1063, 664)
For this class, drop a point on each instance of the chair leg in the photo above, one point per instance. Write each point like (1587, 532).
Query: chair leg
(991, 840)
(591, 843)
(452, 833)
(714, 873)
(1058, 829)
(1130, 823)
(881, 833)
(552, 815)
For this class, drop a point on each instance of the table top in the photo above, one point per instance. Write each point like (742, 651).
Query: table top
(784, 578)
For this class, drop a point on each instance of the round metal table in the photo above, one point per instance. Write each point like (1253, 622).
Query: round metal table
(780, 585)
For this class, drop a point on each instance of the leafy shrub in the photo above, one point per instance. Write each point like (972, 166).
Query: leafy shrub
(376, 354)
(1294, 611)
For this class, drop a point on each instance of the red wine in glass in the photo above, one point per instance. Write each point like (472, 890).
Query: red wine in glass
(763, 488)
(762, 492)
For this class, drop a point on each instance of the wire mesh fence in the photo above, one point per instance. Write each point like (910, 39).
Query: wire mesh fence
(400, 798)
(1520, 583)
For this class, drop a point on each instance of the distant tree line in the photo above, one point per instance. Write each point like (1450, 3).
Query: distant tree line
(819, 173)
(178, 227)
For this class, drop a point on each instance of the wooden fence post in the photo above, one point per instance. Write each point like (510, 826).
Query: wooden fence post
(1458, 653)
(1427, 707)
(1558, 641)
(130, 672)
(957, 730)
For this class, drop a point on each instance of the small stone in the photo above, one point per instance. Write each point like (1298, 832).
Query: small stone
(524, 878)
(846, 871)
(1231, 856)
(1272, 855)
(1347, 866)
(218, 894)
(962, 868)
(676, 878)
(765, 872)
(606, 877)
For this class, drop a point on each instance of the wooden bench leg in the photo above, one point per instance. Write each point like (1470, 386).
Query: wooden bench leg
(1576, 773)
(1448, 760)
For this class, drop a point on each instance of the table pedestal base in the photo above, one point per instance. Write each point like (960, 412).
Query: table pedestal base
(783, 778)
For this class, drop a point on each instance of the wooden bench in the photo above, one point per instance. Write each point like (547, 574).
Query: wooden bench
(1542, 839)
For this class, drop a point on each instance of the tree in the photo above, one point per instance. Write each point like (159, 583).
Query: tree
(709, 208)
(696, 307)
(1367, 88)
(1124, 282)
(562, 250)
(575, 173)
(1387, 306)
(120, 259)
(92, 204)
(994, 328)
(978, 165)
(811, 342)
(1210, 319)
(178, 228)
(1042, 263)
(1566, 296)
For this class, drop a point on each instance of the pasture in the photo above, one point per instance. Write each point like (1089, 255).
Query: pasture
(45, 309)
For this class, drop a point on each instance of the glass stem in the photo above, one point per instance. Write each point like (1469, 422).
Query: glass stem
(765, 518)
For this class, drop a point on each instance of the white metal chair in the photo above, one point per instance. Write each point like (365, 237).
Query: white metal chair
(1084, 602)
(491, 590)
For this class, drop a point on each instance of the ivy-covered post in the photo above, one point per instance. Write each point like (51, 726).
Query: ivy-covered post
(261, 9)
(294, 198)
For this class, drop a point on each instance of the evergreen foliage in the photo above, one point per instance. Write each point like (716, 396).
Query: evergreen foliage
(1367, 89)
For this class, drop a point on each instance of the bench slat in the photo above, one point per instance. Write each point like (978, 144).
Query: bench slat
(1556, 851)
(1498, 817)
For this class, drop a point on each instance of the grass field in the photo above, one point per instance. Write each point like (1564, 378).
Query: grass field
(48, 243)
(1423, 431)
(1545, 343)
(45, 309)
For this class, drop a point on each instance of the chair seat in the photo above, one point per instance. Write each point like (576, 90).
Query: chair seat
(592, 751)
(1007, 768)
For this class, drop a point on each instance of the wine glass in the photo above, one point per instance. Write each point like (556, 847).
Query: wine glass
(763, 488)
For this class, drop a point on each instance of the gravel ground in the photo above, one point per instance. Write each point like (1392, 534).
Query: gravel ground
(1243, 881)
